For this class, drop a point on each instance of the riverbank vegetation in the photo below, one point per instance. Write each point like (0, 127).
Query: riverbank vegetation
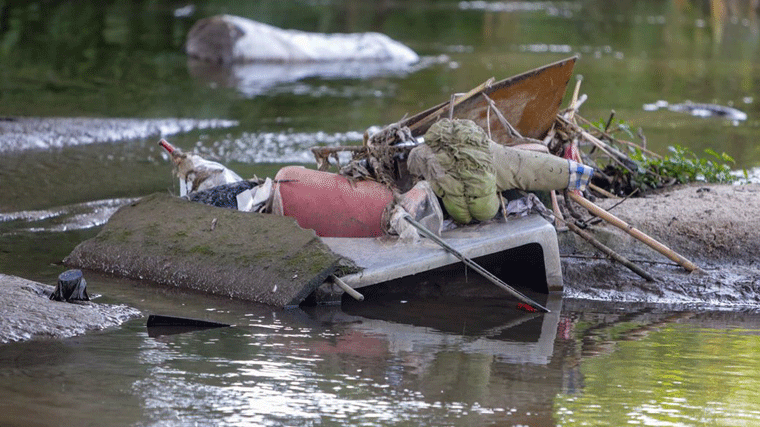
(629, 167)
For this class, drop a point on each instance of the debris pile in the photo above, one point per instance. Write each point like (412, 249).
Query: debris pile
(477, 152)
(571, 140)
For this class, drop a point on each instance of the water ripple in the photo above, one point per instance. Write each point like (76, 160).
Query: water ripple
(22, 133)
(65, 218)
(270, 147)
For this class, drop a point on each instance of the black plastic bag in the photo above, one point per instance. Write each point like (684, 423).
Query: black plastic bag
(71, 287)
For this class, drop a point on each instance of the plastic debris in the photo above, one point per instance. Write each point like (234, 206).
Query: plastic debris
(421, 203)
(255, 199)
(223, 196)
(699, 110)
(71, 287)
(529, 204)
(196, 173)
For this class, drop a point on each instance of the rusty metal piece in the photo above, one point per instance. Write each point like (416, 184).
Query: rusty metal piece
(529, 101)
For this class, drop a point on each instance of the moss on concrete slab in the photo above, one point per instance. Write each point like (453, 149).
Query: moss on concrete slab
(168, 240)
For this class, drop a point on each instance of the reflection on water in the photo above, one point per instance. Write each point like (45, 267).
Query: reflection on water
(404, 361)
(654, 368)
(583, 364)
(253, 79)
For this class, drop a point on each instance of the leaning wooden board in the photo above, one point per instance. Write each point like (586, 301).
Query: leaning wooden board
(529, 101)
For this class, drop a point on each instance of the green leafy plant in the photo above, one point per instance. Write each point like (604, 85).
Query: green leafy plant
(683, 166)
(611, 126)
(645, 171)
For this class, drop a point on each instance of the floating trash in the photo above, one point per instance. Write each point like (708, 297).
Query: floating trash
(699, 110)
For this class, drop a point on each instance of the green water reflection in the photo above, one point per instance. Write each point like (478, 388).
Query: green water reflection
(123, 58)
(120, 58)
(666, 374)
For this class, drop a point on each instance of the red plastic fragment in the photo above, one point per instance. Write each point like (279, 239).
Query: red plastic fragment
(526, 307)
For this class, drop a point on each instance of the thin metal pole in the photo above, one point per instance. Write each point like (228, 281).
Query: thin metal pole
(472, 264)
(346, 288)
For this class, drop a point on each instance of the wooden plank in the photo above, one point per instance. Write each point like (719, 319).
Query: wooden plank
(529, 101)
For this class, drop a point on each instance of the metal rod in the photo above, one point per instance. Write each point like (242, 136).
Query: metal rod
(472, 264)
(609, 252)
(347, 289)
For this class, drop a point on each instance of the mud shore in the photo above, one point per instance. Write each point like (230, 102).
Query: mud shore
(715, 226)
(28, 313)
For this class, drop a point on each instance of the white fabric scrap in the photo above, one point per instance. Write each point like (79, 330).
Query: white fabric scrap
(527, 205)
(398, 225)
(255, 199)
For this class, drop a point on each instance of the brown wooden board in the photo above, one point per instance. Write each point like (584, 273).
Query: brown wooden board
(529, 101)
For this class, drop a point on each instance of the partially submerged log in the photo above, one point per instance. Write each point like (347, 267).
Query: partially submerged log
(168, 240)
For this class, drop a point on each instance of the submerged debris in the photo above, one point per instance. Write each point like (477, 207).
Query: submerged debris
(699, 110)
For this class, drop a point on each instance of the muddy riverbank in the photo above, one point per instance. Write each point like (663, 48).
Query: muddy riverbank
(28, 313)
(715, 226)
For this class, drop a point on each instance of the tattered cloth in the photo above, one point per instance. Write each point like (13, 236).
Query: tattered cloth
(466, 169)
(458, 164)
(580, 175)
(535, 171)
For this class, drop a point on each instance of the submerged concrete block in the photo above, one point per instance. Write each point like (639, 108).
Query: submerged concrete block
(168, 240)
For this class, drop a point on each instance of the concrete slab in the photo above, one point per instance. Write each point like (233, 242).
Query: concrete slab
(385, 259)
(168, 240)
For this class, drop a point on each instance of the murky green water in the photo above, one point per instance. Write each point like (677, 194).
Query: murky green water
(397, 361)
(393, 361)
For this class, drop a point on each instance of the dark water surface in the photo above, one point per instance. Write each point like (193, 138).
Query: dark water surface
(400, 360)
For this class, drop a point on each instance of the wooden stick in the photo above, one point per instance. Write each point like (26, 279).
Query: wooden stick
(488, 121)
(337, 149)
(609, 252)
(643, 261)
(555, 208)
(503, 206)
(513, 133)
(597, 220)
(472, 264)
(459, 100)
(602, 191)
(609, 121)
(346, 288)
(571, 110)
(612, 152)
(622, 141)
(322, 154)
(638, 234)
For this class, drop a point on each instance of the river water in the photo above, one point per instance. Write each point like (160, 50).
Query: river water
(118, 68)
